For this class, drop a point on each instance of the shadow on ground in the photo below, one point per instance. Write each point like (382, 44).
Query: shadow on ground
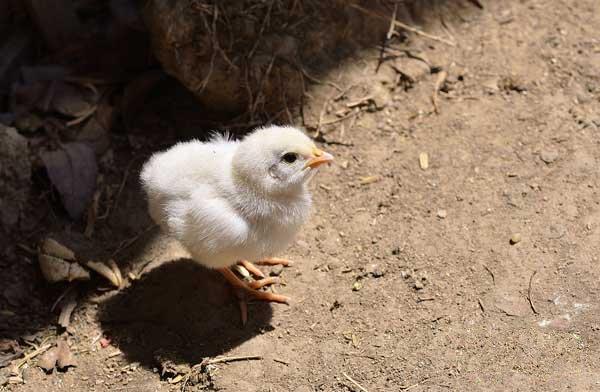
(180, 311)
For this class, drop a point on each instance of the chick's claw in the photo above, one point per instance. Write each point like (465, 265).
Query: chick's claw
(251, 268)
(245, 291)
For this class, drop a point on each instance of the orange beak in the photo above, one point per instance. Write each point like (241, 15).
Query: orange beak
(319, 157)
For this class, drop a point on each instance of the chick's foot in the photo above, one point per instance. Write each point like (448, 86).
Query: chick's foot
(245, 291)
(251, 268)
(256, 272)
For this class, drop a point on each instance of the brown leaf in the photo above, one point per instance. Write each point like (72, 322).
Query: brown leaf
(73, 171)
(69, 304)
(65, 356)
(72, 100)
(95, 135)
(58, 270)
(48, 360)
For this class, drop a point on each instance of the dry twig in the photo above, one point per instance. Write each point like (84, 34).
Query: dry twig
(491, 273)
(529, 296)
(363, 389)
(230, 359)
(481, 304)
(32, 355)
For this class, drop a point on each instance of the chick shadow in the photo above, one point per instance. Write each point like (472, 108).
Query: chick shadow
(181, 312)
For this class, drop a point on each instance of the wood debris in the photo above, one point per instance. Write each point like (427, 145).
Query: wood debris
(424, 160)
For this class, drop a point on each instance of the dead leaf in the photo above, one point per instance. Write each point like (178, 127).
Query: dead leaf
(48, 360)
(52, 247)
(59, 270)
(72, 100)
(65, 356)
(73, 171)
(69, 304)
(60, 356)
(95, 135)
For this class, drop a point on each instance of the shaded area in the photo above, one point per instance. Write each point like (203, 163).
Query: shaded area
(180, 311)
(256, 60)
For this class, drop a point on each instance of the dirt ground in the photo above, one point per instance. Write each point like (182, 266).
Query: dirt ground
(479, 271)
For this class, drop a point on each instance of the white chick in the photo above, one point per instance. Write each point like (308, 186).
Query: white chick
(232, 201)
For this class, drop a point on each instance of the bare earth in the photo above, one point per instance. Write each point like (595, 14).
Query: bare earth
(405, 278)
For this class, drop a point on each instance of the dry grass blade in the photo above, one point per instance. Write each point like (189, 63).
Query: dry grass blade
(32, 355)
(529, 296)
(230, 359)
(363, 389)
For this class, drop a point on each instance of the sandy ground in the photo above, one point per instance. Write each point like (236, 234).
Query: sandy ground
(405, 278)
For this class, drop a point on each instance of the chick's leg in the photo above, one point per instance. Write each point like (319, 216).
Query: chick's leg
(250, 290)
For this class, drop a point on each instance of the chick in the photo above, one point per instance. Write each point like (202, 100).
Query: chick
(229, 201)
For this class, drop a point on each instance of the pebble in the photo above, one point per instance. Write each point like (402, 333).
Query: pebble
(276, 270)
(375, 270)
(302, 244)
(442, 214)
(516, 238)
(419, 285)
(549, 156)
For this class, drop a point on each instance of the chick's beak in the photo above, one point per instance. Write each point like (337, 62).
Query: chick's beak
(319, 157)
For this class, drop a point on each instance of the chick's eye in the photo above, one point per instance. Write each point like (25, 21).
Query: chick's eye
(289, 157)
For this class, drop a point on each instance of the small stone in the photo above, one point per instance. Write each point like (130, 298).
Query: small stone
(549, 156)
(357, 286)
(516, 238)
(276, 270)
(419, 285)
(375, 270)
(442, 214)
(302, 244)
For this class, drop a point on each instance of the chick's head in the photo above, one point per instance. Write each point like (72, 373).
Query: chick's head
(277, 160)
